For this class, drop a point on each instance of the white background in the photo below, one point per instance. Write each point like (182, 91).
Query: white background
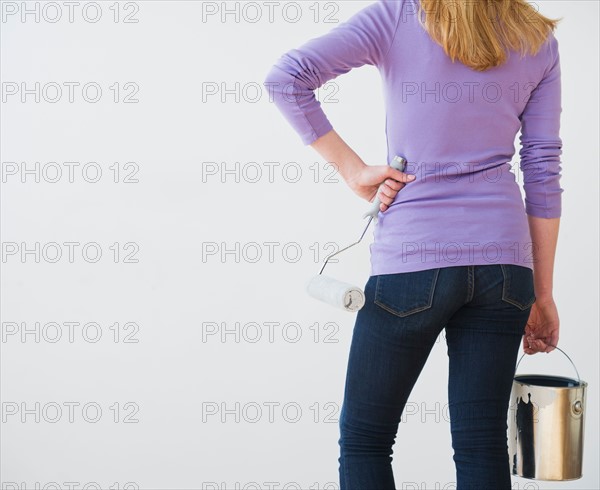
(182, 298)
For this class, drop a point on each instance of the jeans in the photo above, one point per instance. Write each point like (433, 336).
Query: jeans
(484, 309)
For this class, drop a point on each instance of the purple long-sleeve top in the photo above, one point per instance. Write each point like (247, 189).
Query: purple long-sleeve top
(455, 126)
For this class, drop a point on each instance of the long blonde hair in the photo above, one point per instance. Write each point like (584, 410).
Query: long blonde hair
(478, 32)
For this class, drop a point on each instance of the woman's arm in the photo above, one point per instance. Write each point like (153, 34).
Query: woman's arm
(364, 39)
(541, 165)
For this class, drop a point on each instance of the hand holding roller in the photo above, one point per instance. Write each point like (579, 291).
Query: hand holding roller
(398, 163)
(338, 293)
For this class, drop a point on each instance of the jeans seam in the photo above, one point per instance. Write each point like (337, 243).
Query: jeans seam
(470, 283)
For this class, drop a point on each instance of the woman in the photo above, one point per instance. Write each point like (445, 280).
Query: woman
(455, 247)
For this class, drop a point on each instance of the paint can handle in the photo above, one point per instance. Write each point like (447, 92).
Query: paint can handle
(572, 363)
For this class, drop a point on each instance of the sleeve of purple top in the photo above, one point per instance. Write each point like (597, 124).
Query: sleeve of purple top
(541, 145)
(364, 38)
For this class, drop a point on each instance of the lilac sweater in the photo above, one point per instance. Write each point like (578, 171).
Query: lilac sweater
(455, 126)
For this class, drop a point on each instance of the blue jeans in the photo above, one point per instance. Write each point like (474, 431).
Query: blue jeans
(484, 309)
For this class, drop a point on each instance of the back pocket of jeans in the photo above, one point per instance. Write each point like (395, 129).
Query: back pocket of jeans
(518, 286)
(406, 293)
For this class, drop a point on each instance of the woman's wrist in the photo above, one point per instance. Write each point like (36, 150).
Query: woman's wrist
(544, 297)
(350, 169)
(542, 288)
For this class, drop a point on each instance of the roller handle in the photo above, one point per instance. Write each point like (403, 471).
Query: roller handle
(399, 163)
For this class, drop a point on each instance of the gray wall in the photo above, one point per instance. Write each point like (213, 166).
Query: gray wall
(187, 354)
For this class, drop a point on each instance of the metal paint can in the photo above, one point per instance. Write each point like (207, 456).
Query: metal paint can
(546, 426)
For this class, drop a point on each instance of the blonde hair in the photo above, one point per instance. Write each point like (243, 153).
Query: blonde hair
(477, 32)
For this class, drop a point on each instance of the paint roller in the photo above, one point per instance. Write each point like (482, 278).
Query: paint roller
(338, 293)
